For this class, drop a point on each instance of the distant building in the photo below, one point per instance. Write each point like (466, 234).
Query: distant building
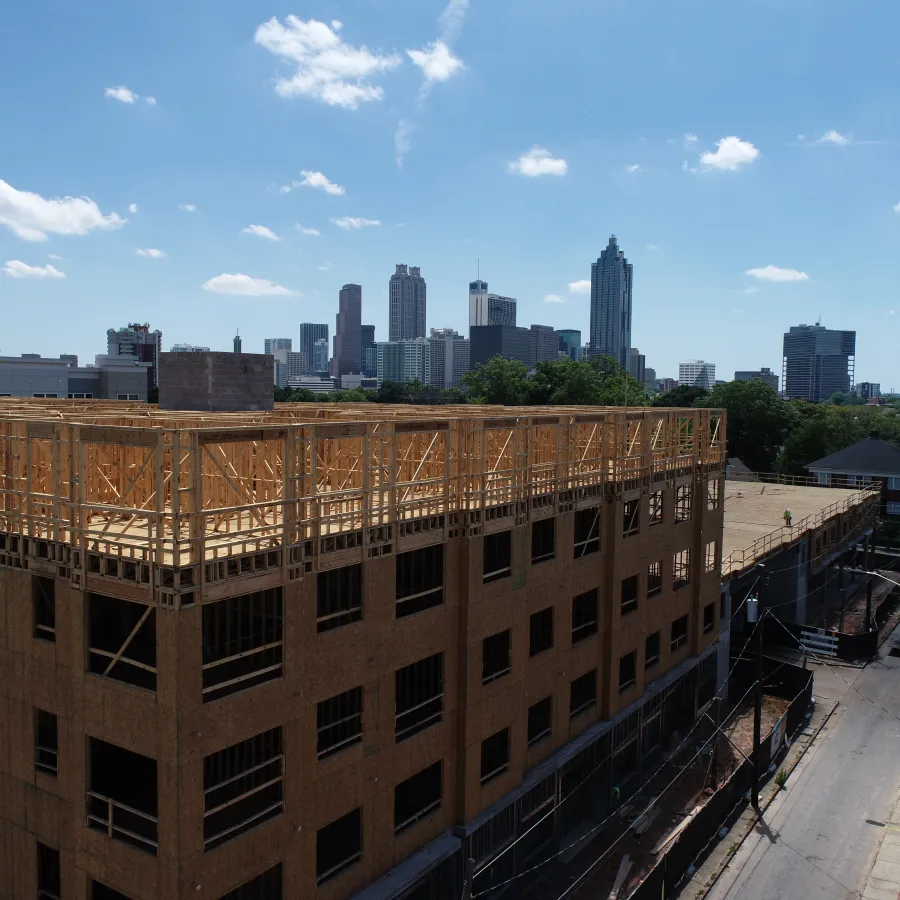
(667, 384)
(188, 348)
(572, 339)
(406, 304)
(544, 344)
(368, 343)
(766, 375)
(817, 362)
(448, 357)
(294, 365)
(861, 464)
(649, 376)
(273, 344)
(868, 389)
(637, 367)
(611, 280)
(370, 360)
(348, 332)
(402, 361)
(351, 382)
(310, 332)
(488, 341)
(138, 342)
(697, 373)
(110, 378)
(489, 309)
(316, 384)
(320, 356)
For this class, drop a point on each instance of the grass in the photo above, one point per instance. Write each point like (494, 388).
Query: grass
(781, 777)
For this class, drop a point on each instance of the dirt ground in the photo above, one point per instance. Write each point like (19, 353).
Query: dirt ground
(740, 730)
(855, 610)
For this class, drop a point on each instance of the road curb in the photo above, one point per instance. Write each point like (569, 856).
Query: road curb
(711, 883)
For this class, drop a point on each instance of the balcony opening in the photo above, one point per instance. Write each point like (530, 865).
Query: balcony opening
(587, 531)
(631, 517)
(243, 642)
(709, 617)
(46, 742)
(242, 787)
(627, 670)
(540, 636)
(584, 615)
(339, 598)
(267, 886)
(651, 650)
(419, 701)
(683, 497)
(654, 579)
(43, 595)
(681, 569)
(495, 657)
(679, 633)
(122, 795)
(494, 756)
(712, 493)
(48, 874)
(712, 557)
(338, 846)
(122, 640)
(629, 594)
(543, 540)
(497, 556)
(418, 797)
(420, 580)
(656, 508)
(340, 722)
(583, 693)
(102, 892)
(540, 720)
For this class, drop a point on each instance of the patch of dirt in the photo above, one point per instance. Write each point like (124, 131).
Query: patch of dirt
(854, 614)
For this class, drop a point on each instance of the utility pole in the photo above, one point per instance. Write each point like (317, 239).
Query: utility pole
(757, 710)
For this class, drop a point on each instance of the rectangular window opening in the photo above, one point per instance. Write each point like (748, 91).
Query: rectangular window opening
(627, 670)
(656, 508)
(712, 557)
(340, 722)
(584, 615)
(419, 699)
(540, 720)
(267, 886)
(43, 594)
(683, 497)
(654, 578)
(420, 580)
(494, 756)
(651, 650)
(122, 795)
(540, 635)
(243, 642)
(629, 594)
(495, 657)
(122, 640)
(543, 540)
(712, 494)
(48, 873)
(418, 797)
(583, 693)
(46, 742)
(497, 556)
(102, 892)
(338, 846)
(631, 517)
(339, 597)
(243, 786)
(709, 617)
(679, 633)
(587, 531)
(681, 569)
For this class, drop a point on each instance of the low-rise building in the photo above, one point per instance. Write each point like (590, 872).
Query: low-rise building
(765, 375)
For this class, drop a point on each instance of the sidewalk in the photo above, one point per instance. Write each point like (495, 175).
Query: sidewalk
(884, 879)
(712, 867)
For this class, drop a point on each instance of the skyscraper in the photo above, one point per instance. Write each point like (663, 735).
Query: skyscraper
(637, 365)
(348, 332)
(273, 344)
(448, 358)
(138, 342)
(697, 373)
(571, 337)
(489, 309)
(310, 332)
(817, 362)
(368, 355)
(319, 362)
(406, 319)
(611, 278)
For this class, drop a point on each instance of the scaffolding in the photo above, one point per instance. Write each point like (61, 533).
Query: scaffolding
(142, 487)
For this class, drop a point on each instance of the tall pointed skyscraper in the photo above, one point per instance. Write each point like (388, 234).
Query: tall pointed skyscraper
(406, 319)
(611, 305)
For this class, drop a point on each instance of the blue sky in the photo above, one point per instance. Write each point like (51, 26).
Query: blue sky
(245, 100)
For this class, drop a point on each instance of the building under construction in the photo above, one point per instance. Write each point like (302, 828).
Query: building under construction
(319, 651)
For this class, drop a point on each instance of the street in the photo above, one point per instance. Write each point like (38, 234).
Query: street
(820, 835)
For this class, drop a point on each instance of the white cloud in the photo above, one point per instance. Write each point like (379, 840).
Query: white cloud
(402, 142)
(538, 161)
(634, 167)
(31, 216)
(53, 256)
(309, 232)
(652, 247)
(325, 267)
(436, 61)
(834, 137)
(774, 273)
(245, 286)
(580, 287)
(327, 69)
(152, 252)
(132, 208)
(730, 154)
(350, 223)
(313, 180)
(690, 139)
(188, 207)
(151, 100)
(752, 289)
(15, 268)
(553, 298)
(261, 231)
(897, 208)
(121, 93)
(451, 20)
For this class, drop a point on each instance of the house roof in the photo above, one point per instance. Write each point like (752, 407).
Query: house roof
(737, 470)
(872, 456)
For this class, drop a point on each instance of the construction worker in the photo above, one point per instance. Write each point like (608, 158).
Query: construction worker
(787, 518)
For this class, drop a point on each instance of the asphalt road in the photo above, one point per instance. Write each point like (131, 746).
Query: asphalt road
(820, 836)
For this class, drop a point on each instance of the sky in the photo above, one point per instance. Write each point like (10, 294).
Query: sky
(208, 167)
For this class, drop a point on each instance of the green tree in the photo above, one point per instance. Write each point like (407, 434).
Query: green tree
(757, 421)
(499, 381)
(153, 395)
(683, 395)
(389, 392)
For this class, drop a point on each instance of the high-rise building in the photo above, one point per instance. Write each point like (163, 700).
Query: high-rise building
(611, 278)
(544, 344)
(765, 375)
(403, 361)
(406, 313)
(368, 344)
(273, 344)
(348, 332)
(571, 337)
(488, 341)
(637, 366)
(320, 356)
(817, 362)
(489, 309)
(868, 389)
(138, 342)
(649, 375)
(310, 332)
(697, 373)
(448, 355)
